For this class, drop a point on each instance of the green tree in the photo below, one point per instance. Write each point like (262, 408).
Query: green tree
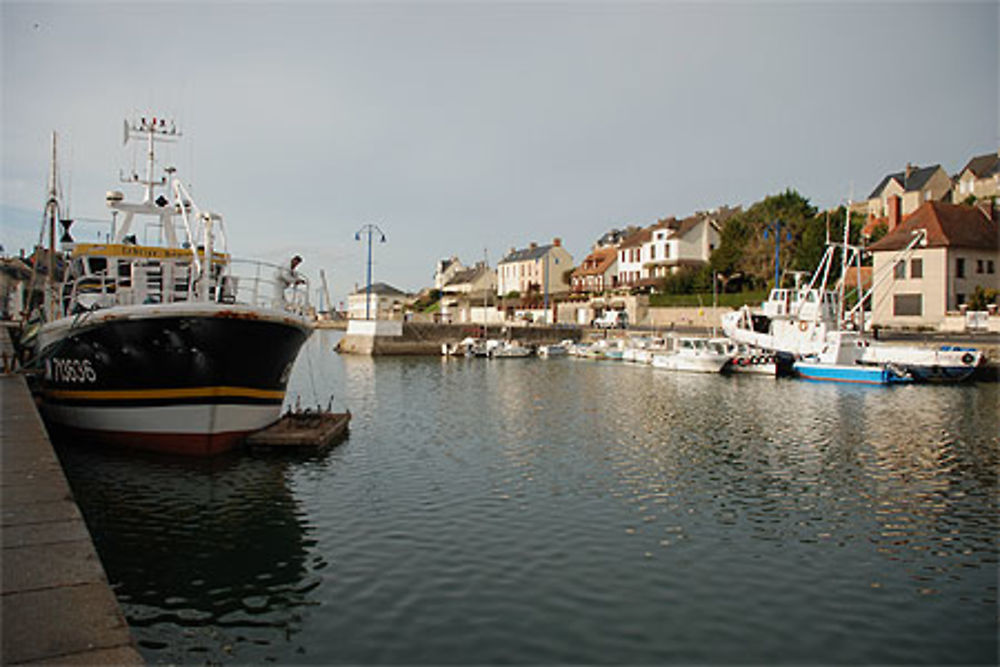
(743, 247)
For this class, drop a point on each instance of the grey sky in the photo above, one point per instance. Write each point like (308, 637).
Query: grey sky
(462, 126)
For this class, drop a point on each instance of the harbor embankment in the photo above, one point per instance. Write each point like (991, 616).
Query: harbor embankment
(57, 605)
(427, 339)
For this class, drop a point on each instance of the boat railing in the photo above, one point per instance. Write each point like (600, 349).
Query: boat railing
(262, 284)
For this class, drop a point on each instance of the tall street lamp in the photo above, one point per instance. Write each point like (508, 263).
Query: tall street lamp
(775, 228)
(368, 230)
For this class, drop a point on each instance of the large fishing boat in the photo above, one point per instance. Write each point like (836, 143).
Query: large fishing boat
(171, 346)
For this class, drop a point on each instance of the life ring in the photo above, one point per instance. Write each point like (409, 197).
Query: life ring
(967, 358)
(803, 326)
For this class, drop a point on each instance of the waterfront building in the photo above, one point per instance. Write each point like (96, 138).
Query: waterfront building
(597, 273)
(979, 178)
(446, 270)
(908, 189)
(677, 243)
(961, 252)
(467, 290)
(542, 269)
(386, 302)
(630, 258)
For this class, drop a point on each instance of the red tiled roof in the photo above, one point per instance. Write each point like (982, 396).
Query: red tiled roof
(597, 262)
(947, 225)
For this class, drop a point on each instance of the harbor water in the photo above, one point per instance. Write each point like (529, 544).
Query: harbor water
(568, 511)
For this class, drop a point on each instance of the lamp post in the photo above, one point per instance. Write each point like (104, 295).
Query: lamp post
(368, 230)
(775, 228)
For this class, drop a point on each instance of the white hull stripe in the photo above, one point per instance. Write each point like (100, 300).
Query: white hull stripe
(179, 419)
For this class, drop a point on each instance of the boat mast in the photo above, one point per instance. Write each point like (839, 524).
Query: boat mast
(50, 217)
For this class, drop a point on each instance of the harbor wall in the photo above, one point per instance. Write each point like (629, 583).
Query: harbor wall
(57, 605)
(427, 339)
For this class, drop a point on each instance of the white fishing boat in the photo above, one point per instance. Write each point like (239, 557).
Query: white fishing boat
(806, 320)
(173, 347)
(693, 354)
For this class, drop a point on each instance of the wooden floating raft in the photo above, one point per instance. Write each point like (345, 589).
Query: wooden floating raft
(302, 429)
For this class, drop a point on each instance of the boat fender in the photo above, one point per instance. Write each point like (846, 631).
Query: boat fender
(967, 358)
(803, 326)
(754, 361)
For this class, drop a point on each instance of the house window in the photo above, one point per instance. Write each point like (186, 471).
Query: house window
(959, 267)
(666, 252)
(959, 299)
(989, 266)
(979, 266)
(907, 305)
(899, 271)
(652, 252)
(916, 268)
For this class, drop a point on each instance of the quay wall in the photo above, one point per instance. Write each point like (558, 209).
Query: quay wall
(57, 606)
(427, 339)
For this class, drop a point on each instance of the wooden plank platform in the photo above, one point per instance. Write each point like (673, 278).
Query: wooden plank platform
(302, 429)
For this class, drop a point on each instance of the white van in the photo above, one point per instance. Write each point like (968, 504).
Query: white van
(611, 319)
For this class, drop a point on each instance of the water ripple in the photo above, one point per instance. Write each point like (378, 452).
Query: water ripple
(573, 512)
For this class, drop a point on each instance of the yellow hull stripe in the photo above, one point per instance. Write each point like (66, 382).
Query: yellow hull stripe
(180, 392)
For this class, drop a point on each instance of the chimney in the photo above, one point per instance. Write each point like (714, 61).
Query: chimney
(909, 171)
(533, 245)
(894, 216)
(557, 241)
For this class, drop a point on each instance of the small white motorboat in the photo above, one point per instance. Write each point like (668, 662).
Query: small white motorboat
(697, 355)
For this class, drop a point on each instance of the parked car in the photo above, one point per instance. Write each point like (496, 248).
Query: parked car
(611, 319)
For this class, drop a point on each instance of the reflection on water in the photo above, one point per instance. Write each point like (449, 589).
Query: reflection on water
(570, 511)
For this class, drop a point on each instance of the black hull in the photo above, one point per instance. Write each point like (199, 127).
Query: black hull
(190, 383)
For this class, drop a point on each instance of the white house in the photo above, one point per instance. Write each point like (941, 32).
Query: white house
(386, 303)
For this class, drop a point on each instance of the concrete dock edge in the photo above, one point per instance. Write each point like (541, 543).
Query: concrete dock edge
(57, 606)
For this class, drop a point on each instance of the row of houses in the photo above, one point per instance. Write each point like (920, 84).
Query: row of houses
(957, 256)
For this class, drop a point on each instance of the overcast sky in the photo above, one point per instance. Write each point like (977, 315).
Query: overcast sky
(470, 126)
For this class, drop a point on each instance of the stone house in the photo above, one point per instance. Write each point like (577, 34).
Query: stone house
(909, 189)
(540, 269)
(979, 178)
(960, 250)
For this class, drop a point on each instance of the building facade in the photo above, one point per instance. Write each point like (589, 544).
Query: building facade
(957, 250)
(385, 303)
(542, 269)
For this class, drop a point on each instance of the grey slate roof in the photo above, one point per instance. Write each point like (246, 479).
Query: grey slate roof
(918, 178)
(526, 254)
(983, 166)
(382, 289)
(467, 275)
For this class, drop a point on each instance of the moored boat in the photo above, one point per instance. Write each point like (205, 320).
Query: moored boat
(166, 347)
(851, 374)
(693, 354)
